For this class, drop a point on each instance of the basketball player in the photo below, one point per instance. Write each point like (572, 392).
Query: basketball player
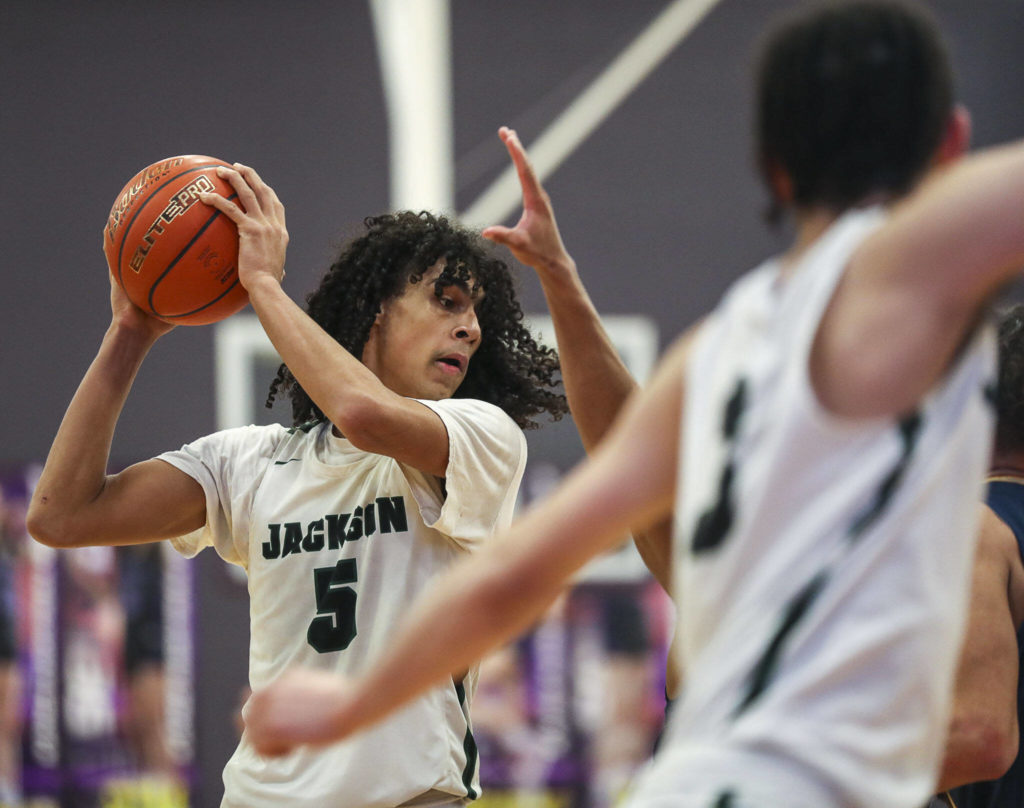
(411, 378)
(821, 437)
(983, 748)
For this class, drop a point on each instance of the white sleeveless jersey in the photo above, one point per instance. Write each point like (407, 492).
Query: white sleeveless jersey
(822, 564)
(337, 544)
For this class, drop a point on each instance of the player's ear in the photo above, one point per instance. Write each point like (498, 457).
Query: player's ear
(957, 138)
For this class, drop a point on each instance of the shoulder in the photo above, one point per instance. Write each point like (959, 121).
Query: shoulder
(242, 444)
(473, 414)
(481, 436)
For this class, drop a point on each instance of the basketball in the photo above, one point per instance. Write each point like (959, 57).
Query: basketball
(175, 257)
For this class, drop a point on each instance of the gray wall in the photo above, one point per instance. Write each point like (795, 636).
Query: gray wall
(659, 206)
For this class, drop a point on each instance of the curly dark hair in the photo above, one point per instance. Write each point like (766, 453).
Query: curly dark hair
(853, 99)
(1010, 388)
(509, 369)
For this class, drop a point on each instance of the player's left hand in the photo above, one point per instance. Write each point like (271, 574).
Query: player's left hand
(262, 235)
(301, 707)
(535, 240)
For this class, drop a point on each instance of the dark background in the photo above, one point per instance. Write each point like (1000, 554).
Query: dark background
(660, 206)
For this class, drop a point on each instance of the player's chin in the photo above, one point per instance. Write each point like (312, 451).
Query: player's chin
(444, 385)
(449, 390)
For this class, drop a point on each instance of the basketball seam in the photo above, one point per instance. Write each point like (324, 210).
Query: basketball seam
(153, 286)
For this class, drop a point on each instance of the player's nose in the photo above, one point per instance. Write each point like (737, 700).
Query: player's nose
(468, 329)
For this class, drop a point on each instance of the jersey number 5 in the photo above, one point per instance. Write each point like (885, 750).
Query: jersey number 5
(335, 626)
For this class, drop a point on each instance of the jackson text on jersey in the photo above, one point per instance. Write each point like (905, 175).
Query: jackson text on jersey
(386, 514)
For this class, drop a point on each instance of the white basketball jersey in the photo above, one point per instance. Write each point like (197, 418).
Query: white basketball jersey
(822, 564)
(337, 544)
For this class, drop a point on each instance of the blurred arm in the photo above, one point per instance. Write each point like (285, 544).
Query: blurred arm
(983, 733)
(916, 287)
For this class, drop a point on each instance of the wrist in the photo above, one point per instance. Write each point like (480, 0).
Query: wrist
(559, 270)
(263, 285)
(343, 713)
(132, 334)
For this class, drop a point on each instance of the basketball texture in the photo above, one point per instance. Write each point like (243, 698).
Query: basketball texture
(175, 257)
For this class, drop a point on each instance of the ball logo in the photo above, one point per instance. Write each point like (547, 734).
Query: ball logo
(144, 178)
(178, 204)
(212, 262)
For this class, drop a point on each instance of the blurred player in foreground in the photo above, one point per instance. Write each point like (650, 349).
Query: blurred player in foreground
(821, 437)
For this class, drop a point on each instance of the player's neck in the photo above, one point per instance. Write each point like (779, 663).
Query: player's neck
(810, 225)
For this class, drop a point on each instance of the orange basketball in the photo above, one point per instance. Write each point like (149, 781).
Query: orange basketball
(175, 257)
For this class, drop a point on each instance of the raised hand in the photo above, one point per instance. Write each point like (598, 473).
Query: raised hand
(535, 240)
(262, 235)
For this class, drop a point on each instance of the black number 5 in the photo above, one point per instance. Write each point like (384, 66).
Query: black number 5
(336, 628)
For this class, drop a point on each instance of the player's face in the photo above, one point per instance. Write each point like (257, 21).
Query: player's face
(421, 342)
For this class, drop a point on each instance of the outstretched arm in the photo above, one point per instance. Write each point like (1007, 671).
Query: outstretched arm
(75, 502)
(500, 591)
(915, 288)
(983, 735)
(371, 416)
(596, 380)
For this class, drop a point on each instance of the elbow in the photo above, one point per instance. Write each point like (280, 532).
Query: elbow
(985, 751)
(1002, 748)
(47, 526)
(41, 528)
(361, 421)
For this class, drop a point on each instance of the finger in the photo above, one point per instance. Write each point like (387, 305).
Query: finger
(533, 192)
(224, 205)
(268, 201)
(245, 193)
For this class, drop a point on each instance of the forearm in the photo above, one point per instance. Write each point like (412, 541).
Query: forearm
(655, 548)
(596, 380)
(464, 618)
(75, 470)
(496, 595)
(982, 737)
(332, 377)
